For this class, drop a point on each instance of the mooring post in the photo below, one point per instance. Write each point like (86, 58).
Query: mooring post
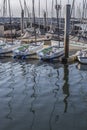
(22, 21)
(66, 33)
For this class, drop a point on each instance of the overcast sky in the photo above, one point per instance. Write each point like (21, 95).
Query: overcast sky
(16, 9)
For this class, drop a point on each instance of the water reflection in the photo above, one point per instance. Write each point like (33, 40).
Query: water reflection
(55, 92)
(34, 95)
(10, 95)
(5, 59)
(66, 86)
(66, 93)
(81, 66)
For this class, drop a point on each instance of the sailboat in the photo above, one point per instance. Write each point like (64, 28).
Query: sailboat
(6, 48)
(25, 51)
(79, 39)
(52, 51)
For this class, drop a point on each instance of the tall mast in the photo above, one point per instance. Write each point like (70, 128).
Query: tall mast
(39, 14)
(60, 15)
(22, 17)
(68, 2)
(25, 8)
(4, 8)
(46, 15)
(83, 8)
(57, 7)
(26, 12)
(33, 3)
(73, 9)
(10, 18)
(52, 15)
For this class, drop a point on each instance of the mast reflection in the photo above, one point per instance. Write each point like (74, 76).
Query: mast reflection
(33, 96)
(66, 86)
(10, 94)
(55, 92)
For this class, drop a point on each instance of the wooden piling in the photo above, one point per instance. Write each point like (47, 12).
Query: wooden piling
(66, 34)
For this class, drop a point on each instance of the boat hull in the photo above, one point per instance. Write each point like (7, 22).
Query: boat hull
(7, 49)
(82, 60)
(6, 54)
(52, 55)
(77, 44)
(29, 52)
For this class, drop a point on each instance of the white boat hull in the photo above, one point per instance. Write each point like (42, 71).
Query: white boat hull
(31, 50)
(7, 49)
(82, 60)
(56, 54)
(77, 44)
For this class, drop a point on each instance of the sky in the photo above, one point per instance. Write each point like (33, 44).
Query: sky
(16, 9)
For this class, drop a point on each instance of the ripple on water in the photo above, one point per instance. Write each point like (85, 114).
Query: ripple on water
(37, 95)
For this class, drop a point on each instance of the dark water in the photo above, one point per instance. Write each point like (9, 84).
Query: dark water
(42, 96)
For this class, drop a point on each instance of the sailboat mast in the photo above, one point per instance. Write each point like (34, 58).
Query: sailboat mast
(46, 15)
(60, 21)
(33, 3)
(25, 8)
(10, 18)
(4, 9)
(39, 14)
(57, 7)
(52, 15)
(68, 2)
(26, 12)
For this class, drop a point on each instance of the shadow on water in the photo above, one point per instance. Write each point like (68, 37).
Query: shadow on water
(66, 86)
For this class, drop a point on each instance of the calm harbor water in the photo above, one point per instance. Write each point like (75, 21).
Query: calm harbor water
(36, 95)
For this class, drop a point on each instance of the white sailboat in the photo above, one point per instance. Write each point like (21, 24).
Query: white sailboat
(25, 51)
(53, 51)
(6, 48)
